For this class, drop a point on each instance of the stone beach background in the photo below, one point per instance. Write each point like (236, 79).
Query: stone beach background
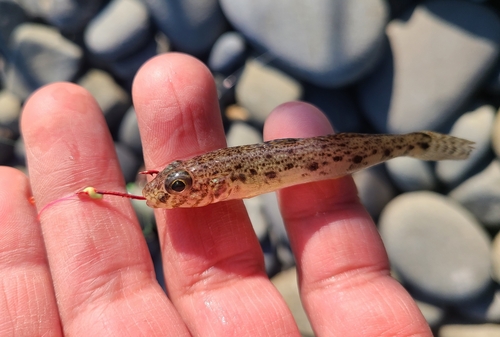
(378, 66)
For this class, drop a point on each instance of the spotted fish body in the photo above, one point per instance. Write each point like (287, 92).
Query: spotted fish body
(246, 171)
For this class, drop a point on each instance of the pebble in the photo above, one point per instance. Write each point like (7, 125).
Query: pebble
(112, 99)
(119, 30)
(126, 68)
(484, 309)
(437, 247)
(480, 194)
(12, 15)
(69, 16)
(287, 284)
(228, 53)
(495, 258)
(495, 137)
(339, 105)
(477, 127)
(375, 189)
(441, 51)
(433, 314)
(262, 88)
(240, 133)
(192, 26)
(7, 142)
(129, 163)
(40, 55)
(128, 133)
(470, 330)
(328, 43)
(10, 110)
(410, 174)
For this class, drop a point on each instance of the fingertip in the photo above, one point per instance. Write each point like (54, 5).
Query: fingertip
(296, 119)
(176, 103)
(168, 71)
(42, 102)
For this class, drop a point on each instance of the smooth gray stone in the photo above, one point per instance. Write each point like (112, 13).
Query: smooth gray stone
(240, 133)
(287, 284)
(10, 110)
(441, 52)
(410, 174)
(128, 133)
(11, 16)
(375, 189)
(469, 330)
(495, 257)
(328, 43)
(261, 88)
(40, 55)
(257, 218)
(485, 309)
(119, 30)
(495, 137)
(437, 247)
(228, 53)
(191, 26)
(20, 152)
(433, 314)
(112, 99)
(126, 68)
(7, 143)
(477, 127)
(70, 16)
(339, 105)
(480, 194)
(129, 163)
(276, 225)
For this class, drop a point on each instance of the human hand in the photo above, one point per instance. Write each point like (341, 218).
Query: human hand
(101, 279)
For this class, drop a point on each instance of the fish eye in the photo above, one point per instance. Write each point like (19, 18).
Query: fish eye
(178, 182)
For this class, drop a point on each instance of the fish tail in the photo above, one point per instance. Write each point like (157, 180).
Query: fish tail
(428, 145)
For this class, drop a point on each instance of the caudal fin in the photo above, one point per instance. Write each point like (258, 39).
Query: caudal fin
(435, 146)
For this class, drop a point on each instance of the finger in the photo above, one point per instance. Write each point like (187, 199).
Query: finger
(98, 258)
(342, 265)
(213, 263)
(27, 305)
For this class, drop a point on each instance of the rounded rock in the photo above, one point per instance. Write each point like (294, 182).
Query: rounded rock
(242, 134)
(495, 137)
(477, 127)
(129, 163)
(119, 30)
(112, 99)
(228, 53)
(191, 26)
(40, 55)
(495, 257)
(328, 43)
(480, 194)
(262, 88)
(410, 174)
(129, 134)
(437, 247)
(12, 15)
(441, 51)
(70, 16)
(375, 189)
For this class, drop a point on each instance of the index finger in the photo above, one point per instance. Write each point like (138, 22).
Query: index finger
(98, 257)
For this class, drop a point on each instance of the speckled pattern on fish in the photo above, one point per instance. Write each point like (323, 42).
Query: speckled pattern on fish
(246, 171)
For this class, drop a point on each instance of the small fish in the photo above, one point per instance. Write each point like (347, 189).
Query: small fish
(246, 171)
